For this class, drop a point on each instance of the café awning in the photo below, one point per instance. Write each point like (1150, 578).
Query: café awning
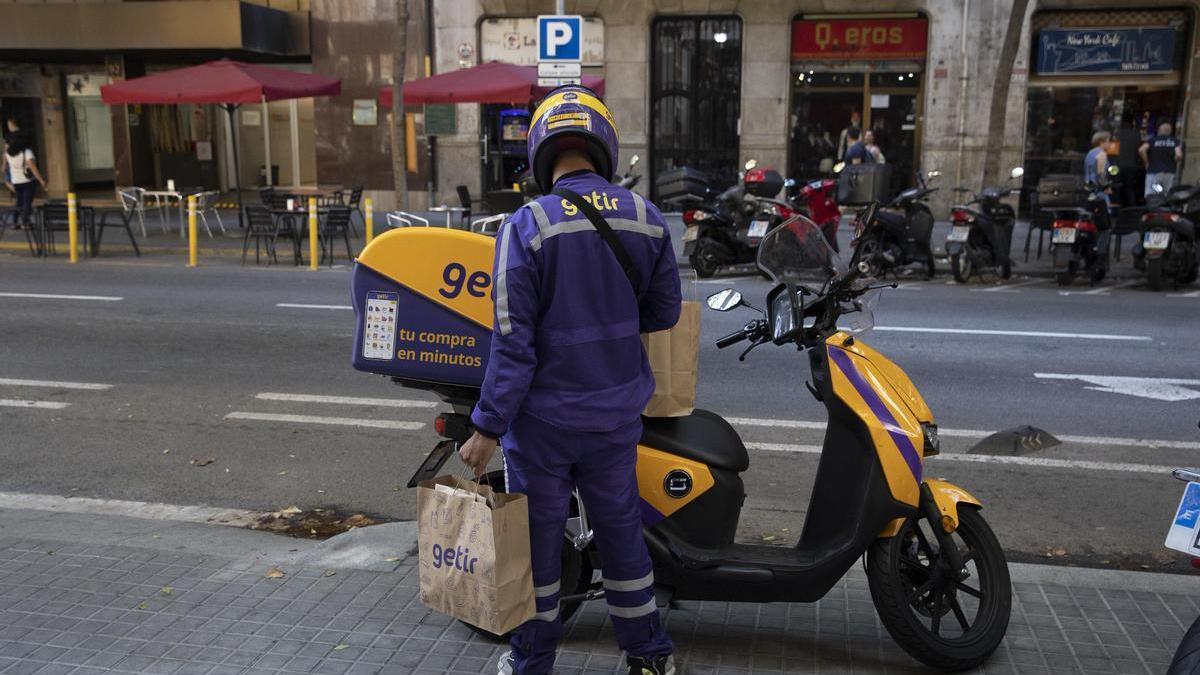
(491, 82)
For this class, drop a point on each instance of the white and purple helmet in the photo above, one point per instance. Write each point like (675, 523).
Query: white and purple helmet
(571, 117)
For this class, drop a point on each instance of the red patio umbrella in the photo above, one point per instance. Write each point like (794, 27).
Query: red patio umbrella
(491, 82)
(225, 83)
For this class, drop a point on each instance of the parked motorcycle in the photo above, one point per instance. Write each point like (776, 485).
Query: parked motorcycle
(981, 238)
(1081, 235)
(629, 179)
(902, 230)
(817, 200)
(936, 572)
(727, 229)
(1168, 243)
(1182, 536)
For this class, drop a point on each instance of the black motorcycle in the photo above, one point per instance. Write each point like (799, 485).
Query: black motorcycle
(1167, 250)
(980, 238)
(904, 232)
(1081, 235)
(726, 229)
(629, 179)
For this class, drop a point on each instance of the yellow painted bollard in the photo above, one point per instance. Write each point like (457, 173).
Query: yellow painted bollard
(312, 233)
(191, 231)
(73, 227)
(370, 218)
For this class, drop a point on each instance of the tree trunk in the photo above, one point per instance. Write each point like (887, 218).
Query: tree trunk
(399, 143)
(999, 110)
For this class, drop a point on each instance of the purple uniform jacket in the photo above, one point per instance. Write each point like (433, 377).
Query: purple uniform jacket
(566, 344)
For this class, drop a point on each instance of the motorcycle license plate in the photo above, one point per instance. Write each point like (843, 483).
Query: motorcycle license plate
(1156, 241)
(1184, 534)
(691, 234)
(758, 229)
(1063, 235)
(959, 233)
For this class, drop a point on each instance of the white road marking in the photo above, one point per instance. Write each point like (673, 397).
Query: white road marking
(56, 385)
(336, 421)
(1102, 290)
(54, 296)
(744, 277)
(979, 433)
(1040, 462)
(1157, 388)
(1015, 333)
(298, 306)
(147, 510)
(44, 405)
(1009, 288)
(1190, 294)
(345, 400)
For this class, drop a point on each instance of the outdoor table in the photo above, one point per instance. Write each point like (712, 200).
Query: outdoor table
(458, 210)
(162, 202)
(296, 221)
(321, 192)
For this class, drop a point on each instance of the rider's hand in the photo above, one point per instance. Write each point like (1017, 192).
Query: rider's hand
(477, 452)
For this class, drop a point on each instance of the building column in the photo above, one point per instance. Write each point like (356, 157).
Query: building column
(114, 66)
(56, 165)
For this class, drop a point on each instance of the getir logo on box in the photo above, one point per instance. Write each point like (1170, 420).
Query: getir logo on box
(458, 558)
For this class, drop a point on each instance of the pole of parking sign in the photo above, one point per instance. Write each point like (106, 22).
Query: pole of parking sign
(73, 227)
(370, 219)
(191, 231)
(312, 233)
(560, 7)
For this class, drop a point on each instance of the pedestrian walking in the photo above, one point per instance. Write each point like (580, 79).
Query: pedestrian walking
(576, 281)
(22, 170)
(844, 141)
(1162, 155)
(856, 152)
(1128, 161)
(869, 144)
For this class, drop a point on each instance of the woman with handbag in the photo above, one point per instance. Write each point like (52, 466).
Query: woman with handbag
(21, 167)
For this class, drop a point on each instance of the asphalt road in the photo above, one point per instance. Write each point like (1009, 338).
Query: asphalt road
(192, 357)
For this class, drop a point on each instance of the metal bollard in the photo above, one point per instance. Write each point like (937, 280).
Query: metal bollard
(191, 206)
(370, 219)
(73, 227)
(312, 233)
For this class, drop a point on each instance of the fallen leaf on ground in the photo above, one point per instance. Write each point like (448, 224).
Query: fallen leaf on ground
(167, 451)
(275, 573)
(391, 560)
(196, 461)
(291, 511)
(768, 537)
(166, 590)
(328, 573)
(338, 648)
(141, 605)
(282, 473)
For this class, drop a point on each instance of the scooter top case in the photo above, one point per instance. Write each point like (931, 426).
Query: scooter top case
(423, 307)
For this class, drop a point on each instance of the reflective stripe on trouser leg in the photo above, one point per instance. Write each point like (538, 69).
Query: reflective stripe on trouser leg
(608, 487)
(538, 471)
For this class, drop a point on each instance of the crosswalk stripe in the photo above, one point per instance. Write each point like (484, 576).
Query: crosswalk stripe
(344, 400)
(52, 384)
(44, 405)
(335, 421)
(1042, 462)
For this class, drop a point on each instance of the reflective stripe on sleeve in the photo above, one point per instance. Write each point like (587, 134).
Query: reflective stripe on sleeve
(641, 610)
(630, 584)
(503, 322)
(547, 590)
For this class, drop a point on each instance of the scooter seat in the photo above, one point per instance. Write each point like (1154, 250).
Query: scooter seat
(702, 436)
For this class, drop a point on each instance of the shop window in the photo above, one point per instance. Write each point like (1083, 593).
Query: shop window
(696, 87)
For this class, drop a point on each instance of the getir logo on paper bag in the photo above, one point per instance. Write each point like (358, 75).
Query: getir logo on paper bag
(458, 558)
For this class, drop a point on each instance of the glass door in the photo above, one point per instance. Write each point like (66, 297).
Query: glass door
(824, 106)
(894, 123)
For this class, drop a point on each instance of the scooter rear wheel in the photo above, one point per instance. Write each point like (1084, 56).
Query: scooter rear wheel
(961, 267)
(948, 622)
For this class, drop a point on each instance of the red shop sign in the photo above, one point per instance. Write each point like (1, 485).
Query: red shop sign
(867, 39)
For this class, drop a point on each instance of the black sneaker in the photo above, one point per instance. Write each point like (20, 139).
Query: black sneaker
(658, 665)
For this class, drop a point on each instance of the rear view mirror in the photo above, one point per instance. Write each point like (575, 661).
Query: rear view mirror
(1017, 172)
(1158, 188)
(751, 163)
(933, 174)
(724, 300)
(633, 161)
(837, 168)
(791, 182)
(1113, 170)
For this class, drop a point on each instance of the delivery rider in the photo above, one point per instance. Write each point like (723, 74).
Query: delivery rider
(567, 377)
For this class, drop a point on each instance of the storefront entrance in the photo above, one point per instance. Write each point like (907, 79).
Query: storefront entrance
(866, 73)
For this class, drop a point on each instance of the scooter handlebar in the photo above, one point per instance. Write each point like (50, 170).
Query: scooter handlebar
(731, 339)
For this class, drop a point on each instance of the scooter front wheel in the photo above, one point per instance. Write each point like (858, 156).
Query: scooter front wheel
(948, 619)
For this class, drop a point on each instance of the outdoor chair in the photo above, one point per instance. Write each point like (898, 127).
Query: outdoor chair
(335, 223)
(206, 203)
(464, 200)
(122, 217)
(261, 227)
(133, 200)
(355, 205)
(54, 216)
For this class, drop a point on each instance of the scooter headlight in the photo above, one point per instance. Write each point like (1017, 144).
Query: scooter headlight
(932, 443)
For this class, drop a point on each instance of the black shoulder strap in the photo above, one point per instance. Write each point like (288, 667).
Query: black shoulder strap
(607, 234)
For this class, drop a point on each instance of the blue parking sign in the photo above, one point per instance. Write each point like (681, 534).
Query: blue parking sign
(560, 38)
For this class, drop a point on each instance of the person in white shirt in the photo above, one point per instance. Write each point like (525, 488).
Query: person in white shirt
(20, 166)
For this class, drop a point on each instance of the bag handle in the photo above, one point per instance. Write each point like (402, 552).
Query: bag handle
(607, 234)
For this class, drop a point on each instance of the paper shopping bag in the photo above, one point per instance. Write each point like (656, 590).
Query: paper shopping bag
(674, 359)
(474, 553)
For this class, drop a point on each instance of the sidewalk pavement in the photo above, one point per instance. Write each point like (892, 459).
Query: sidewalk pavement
(102, 593)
